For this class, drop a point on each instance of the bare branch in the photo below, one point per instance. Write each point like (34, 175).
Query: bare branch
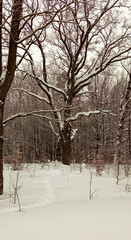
(44, 25)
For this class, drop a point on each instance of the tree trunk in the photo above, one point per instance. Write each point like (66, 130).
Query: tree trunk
(66, 144)
(10, 69)
(1, 149)
(66, 152)
(124, 110)
(1, 3)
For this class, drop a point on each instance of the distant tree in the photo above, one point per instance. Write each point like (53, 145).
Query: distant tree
(123, 141)
(32, 133)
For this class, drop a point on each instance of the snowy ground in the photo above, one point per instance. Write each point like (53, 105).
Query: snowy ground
(55, 205)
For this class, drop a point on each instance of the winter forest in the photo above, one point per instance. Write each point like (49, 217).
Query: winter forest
(65, 119)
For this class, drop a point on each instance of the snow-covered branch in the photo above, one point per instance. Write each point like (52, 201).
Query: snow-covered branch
(88, 114)
(87, 80)
(33, 113)
(41, 85)
(32, 94)
(53, 129)
(2, 78)
(44, 84)
(54, 88)
(73, 133)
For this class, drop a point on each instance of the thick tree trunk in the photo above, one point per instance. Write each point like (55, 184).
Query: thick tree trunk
(66, 152)
(66, 144)
(1, 3)
(1, 149)
(10, 69)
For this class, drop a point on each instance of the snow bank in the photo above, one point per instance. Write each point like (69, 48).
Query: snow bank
(56, 206)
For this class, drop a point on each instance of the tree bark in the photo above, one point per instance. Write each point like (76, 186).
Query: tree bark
(1, 2)
(66, 144)
(10, 70)
(124, 110)
(66, 152)
(1, 149)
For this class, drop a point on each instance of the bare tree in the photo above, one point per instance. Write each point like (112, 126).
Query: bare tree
(84, 41)
(122, 153)
(15, 17)
(10, 69)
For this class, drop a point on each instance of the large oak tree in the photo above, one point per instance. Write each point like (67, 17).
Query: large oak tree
(84, 40)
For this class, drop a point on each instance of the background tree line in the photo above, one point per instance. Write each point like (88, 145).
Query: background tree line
(96, 136)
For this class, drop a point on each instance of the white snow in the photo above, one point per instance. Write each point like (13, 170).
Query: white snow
(2, 77)
(32, 94)
(74, 131)
(87, 114)
(55, 205)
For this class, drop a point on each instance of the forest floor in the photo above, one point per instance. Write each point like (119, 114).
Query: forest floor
(55, 205)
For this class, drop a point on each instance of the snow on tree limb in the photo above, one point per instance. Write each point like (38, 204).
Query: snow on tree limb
(54, 88)
(73, 133)
(47, 85)
(33, 113)
(53, 129)
(84, 82)
(2, 78)
(88, 114)
(32, 94)
(50, 86)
